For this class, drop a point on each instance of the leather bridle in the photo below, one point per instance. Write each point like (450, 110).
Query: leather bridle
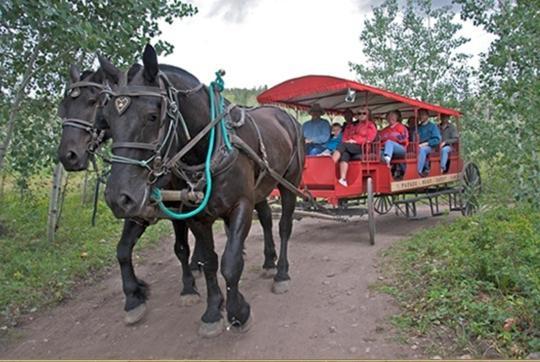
(96, 135)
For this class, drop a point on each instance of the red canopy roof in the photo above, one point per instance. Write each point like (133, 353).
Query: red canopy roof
(330, 93)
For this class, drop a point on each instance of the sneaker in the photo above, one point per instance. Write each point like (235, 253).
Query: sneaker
(343, 182)
(387, 160)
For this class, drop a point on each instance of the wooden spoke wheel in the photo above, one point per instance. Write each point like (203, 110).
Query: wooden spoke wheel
(471, 184)
(371, 211)
(383, 204)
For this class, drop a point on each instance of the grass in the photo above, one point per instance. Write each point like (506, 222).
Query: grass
(471, 286)
(35, 273)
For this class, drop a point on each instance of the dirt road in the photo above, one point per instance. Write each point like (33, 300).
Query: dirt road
(329, 311)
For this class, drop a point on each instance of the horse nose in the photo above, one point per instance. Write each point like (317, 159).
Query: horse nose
(122, 204)
(71, 156)
(71, 160)
(125, 201)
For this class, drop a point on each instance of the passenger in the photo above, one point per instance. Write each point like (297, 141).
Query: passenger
(316, 131)
(354, 136)
(335, 140)
(450, 137)
(394, 137)
(428, 138)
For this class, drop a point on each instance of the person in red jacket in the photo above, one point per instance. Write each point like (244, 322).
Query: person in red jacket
(355, 135)
(394, 138)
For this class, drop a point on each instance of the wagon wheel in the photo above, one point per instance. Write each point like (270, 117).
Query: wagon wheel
(383, 204)
(371, 211)
(471, 184)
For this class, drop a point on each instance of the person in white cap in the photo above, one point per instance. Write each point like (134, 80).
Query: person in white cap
(316, 131)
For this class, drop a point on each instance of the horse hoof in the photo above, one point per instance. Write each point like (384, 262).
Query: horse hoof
(197, 274)
(187, 300)
(280, 287)
(211, 330)
(268, 273)
(244, 327)
(136, 314)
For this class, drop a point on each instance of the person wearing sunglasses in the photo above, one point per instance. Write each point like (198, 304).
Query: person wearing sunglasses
(355, 135)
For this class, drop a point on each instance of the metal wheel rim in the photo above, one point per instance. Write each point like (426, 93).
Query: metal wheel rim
(383, 204)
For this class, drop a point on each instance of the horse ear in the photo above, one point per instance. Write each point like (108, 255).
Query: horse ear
(150, 63)
(74, 73)
(111, 72)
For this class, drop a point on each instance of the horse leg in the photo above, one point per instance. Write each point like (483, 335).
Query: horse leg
(265, 217)
(189, 294)
(135, 290)
(197, 260)
(212, 321)
(288, 203)
(232, 264)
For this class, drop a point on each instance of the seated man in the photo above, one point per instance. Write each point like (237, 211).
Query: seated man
(316, 131)
(428, 138)
(334, 141)
(450, 137)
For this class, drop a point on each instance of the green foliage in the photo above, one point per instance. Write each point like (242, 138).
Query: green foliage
(475, 282)
(35, 273)
(503, 124)
(57, 34)
(413, 50)
(244, 96)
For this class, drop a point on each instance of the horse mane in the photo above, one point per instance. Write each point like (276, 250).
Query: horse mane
(180, 72)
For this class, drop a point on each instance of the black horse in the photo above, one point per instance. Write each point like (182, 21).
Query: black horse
(79, 109)
(140, 116)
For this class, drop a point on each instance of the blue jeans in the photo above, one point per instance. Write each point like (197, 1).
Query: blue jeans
(313, 149)
(445, 152)
(423, 152)
(393, 148)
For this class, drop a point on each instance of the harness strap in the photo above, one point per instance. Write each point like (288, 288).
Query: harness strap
(137, 145)
(193, 142)
(243, 146)
(78, 123)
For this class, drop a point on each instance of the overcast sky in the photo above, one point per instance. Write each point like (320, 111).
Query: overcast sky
(262, 42)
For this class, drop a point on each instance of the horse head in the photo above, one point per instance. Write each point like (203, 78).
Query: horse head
(79, 109)
(143, 118)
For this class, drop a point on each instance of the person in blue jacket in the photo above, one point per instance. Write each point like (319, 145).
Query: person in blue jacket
(429, 138)
(316, 131)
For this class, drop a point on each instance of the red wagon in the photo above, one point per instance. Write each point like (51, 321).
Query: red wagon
(373, 187)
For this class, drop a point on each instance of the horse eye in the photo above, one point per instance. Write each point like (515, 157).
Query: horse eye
(152, 117)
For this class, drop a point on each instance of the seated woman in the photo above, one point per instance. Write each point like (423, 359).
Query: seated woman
(354, 136)
(394, 138)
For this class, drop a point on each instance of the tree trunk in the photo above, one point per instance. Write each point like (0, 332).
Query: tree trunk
(14, 109)
(2, 185)
(52, 216)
